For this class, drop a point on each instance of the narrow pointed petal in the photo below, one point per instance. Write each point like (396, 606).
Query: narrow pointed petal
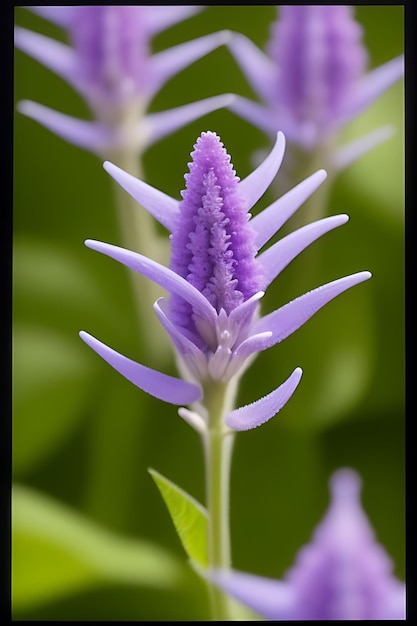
(270, 220)
(55, 55)
(161, 386)
(166, 122)
(284, 251)
(372, 86)
(160, 205)
(60, 15)
(169, 62)
(193, 419)
(243, 313)
(162, 17)
(284, 321)
(256, 114)
(259, 412)
(89, 135)
(355, 149)
(190, 353)
(273, 599)
(256, 65)
(159, 274)
(254, 186)
(249, 347)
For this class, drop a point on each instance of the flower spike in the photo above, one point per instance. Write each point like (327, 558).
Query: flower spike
(217, 277)
(343, 574)
(108, 62)
(312, 78)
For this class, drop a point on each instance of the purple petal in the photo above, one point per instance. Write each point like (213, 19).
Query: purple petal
(355, 149)
(60, 15)
(55, 55)
(165, 122)
(255, 185)
(259, 412)
(258, 68)
(162, 17)
(256, 114)
(248, 347)
(89, 135)
(167, 63)
(273, 599)
(284, 251)
(291, 316)
(160, 205)
(161, 386)
(243, 313)
(270, 220)
(187, 349)
(159, 274)
(372, 86)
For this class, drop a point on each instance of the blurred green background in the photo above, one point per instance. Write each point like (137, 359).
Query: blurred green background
(91, 536)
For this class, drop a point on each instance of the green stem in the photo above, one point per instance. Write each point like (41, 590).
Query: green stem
(110, 499)
(218, 446)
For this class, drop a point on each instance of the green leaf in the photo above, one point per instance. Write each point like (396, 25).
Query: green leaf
(56, 552)
(52, 377)
(188, 515)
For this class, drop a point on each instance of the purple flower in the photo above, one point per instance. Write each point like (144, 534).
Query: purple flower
(312, 79)
(343, 574)
(217, 277)
(110, 64)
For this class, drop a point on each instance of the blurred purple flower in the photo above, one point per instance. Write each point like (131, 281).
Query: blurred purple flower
(110, 64)
(217, 278)
(343, 574)
(313, 79)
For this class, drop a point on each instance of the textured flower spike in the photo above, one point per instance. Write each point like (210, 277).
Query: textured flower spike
(111, 66)
(343, 574)
(218, 275)
(312, 80)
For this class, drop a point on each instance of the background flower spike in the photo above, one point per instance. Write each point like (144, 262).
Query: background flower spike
(342, 574)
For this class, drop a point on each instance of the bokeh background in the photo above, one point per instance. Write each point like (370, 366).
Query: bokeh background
(92, 538)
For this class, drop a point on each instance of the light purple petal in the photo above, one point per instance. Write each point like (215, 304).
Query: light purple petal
(396, 601)
(259, 412)
(291, 316)
(160, 205)
(89, 135)
(273, 599)
(255, 185)
(270, 220)
(258, 68)
(191, 354)
(161, 386)
(252, 345)
(355, 149)
(165, 122)
(60, 15)
(162, 17)
(55, 55)
(256, 114)
(165, 64)
(284, 251)
(243, 313)
(371, 87)
(159, 274)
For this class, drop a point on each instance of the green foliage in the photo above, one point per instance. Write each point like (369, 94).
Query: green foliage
(57, 551)
(51, 382)
(189, 517)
